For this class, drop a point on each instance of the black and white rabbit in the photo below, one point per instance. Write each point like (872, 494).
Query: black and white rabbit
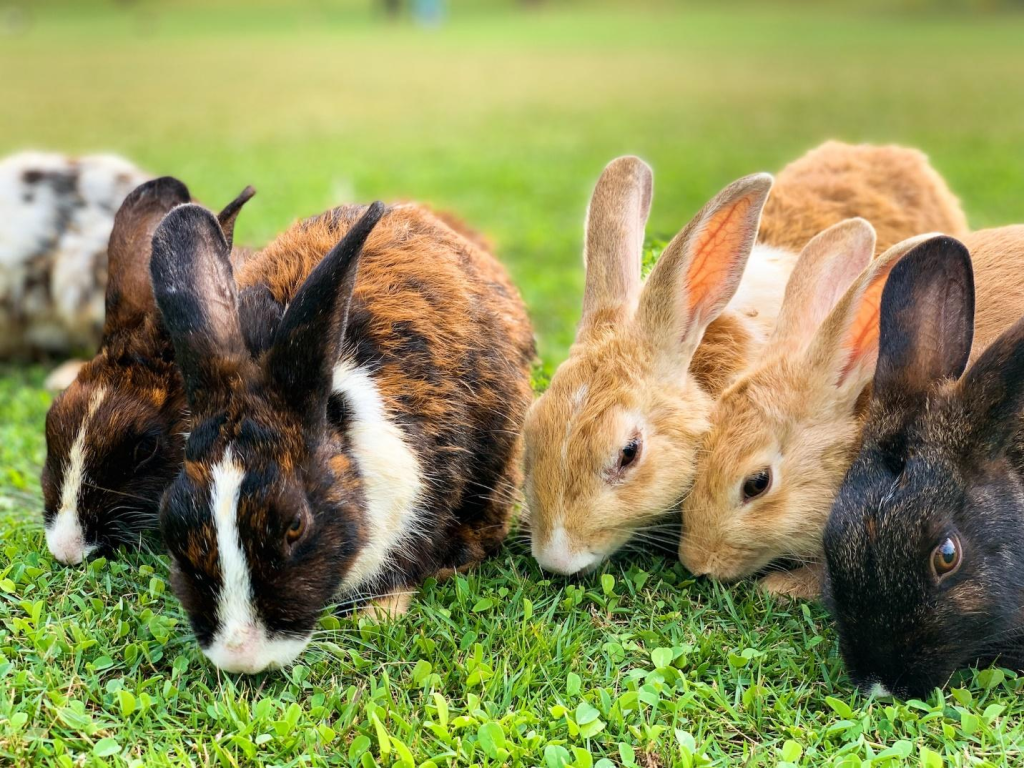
(373, 444)
(56, 213)
(924, 545)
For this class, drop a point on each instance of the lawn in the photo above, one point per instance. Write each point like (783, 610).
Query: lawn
(506, 117)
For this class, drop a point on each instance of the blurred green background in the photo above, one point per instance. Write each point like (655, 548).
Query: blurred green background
(506, 111)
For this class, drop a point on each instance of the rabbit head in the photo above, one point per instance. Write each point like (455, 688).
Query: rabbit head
(783, 434)
(923, 545)
(262, 522)
(611, 446)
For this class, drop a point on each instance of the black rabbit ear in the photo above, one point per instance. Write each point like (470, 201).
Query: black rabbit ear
(927, 320)
(129, 293)
(993, 391)
(309, 339)
(195, 291)
(229, 215)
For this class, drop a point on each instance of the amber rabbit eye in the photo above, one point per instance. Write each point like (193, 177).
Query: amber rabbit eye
(757, 484)
(296, 529)
(629, 453)
(946, 558)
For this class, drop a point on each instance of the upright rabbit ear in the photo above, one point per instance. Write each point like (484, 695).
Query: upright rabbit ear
(129, 292)
(826, 268)
(309, 339)
(195, 290)
(613, 249)
(701, 268)
(993, 391)
(927, 319)
(845, 346)
(227, 217)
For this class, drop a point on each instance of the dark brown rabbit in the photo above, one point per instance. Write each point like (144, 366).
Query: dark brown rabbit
(115, 437)
(924, 545)
(373, 444)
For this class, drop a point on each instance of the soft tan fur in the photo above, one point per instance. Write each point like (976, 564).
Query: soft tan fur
(799, 410)
(894, 188)
(650, 358)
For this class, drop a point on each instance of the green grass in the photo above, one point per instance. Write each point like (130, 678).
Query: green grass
(507, 118)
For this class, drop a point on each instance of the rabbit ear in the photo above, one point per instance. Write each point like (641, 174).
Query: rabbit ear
(129, 292)
(195, 290)
(826, 268)
(845, 346)
(613, 249)
(993, 391)
(227, 217)
(309, 338)
(927, 319)
(701, 268)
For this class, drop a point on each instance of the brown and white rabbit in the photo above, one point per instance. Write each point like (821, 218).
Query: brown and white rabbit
(115, 436)
(924, 545)
(374, 443)
(56, 213)
(784, 434)
(612, 445)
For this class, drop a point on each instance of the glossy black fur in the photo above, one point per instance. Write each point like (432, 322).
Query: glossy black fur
(940, 457)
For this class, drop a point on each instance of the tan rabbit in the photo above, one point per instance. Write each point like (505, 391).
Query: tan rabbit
(612, 445)
(785, 432)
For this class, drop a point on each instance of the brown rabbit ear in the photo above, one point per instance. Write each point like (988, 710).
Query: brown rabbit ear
(826, 268)
(927, 320)
(701, 268)
(613, 249)
(195, 291)
(227, 217)
(129, 292)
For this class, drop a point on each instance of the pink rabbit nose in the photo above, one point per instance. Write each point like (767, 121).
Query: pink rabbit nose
(239, 650)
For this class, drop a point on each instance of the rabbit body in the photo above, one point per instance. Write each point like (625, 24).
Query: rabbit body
(375, 441)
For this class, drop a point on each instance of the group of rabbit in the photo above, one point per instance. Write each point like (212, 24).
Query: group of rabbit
(332, 419)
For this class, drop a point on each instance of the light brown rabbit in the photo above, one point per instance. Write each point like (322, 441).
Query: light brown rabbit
(785, 432)
(612, 445)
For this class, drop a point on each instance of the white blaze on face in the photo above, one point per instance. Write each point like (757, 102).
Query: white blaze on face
(241, 643)
(65, 537)
(392, 481)
(879, 691)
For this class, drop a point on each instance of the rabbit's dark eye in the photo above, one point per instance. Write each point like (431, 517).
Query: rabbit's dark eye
(145, 450)
(629, 453)
(757, 484)
(946, 558)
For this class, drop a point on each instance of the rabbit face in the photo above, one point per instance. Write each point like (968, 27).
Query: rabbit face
(610, 447)
(111, 451)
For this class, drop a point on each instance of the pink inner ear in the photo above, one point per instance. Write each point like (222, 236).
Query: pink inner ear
(862, 335)
(714, 257)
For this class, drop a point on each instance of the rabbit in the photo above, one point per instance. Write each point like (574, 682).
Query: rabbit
(114, 437)
(374, 443)
(784, 433)
(923, 545)
(611, 447)
(56, 213)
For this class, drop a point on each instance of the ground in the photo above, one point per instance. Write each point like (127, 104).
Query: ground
(506, 117)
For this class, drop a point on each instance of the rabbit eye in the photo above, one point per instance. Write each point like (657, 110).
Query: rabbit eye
(757, 484)
(946, 558)
(629, 453)
(296, 528)
(145, 450)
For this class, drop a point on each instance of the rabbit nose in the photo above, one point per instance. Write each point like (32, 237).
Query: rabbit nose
(557, 555)
(241, 638)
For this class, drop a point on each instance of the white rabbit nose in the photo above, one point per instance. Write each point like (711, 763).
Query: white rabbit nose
(65, 540)
(556, 554)
(238, 650)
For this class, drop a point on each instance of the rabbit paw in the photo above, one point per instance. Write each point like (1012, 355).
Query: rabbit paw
(800, 584)
(389, 606)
